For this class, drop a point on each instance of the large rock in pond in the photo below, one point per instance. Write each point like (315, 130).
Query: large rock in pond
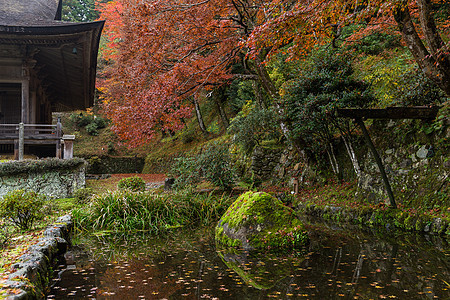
(260, 221)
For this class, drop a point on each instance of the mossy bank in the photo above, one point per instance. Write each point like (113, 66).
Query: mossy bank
(388, 218)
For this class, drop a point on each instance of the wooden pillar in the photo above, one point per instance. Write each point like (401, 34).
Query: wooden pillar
(369, 142)
(21, 140)
(58, 138)
(295, 182)
(33, 108)
(68, 146)
(16, 149)
(25, 100)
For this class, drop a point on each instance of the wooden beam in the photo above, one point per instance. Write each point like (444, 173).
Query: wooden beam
(416, 112)
(369, 142)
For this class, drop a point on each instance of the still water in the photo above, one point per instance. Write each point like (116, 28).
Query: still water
(339, 263)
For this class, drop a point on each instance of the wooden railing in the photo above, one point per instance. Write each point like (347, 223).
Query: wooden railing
(21, 134)
(30, 132)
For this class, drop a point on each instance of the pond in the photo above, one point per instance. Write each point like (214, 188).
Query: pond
(339, 263)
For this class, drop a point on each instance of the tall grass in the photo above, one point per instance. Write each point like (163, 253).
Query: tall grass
(129, 211)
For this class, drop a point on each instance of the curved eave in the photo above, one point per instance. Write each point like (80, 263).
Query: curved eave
(52, 28)
(68, 74)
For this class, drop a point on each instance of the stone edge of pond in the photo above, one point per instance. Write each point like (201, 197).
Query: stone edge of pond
(389, 219)
(33, 270)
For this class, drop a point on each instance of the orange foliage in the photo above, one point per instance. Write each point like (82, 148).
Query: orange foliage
(163, 52)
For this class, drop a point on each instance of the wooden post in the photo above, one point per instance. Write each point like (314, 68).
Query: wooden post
(16, 149)
(369, 142)
(68, 146)
(25, 100)
(58, 138)
(295, 182)
(21, 140)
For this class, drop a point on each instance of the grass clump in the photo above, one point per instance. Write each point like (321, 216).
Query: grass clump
(83, 195)
(135, 184)
(125, 210)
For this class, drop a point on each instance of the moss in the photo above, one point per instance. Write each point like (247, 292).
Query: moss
(39, 166)
(258, 220)
(410, 222)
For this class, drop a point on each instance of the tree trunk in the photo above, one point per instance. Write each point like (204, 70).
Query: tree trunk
(269, 87)
(218, 99)
(434, 63)
(352, 155)
(258, 95)
(333, 161)
(198, 113)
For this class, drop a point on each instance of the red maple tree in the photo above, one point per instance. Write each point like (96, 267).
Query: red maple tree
(165, 54)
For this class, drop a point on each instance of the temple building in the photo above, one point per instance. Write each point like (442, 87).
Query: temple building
(46, 66)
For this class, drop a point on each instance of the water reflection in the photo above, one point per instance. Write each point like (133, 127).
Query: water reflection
(338, 264)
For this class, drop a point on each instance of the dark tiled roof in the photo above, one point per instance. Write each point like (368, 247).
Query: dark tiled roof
(29, 12)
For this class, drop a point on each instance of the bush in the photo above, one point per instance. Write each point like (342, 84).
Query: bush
(92, 129)
(250, 127)
(90, 122)
(22, 208)
(81, 120)
(186, 172)
(135, 184)
(100, 122)
(215, 164)
(83, 195)
(310, 100)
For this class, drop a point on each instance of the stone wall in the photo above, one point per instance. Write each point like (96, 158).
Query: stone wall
(415, 155)
(31, 273)
(54, 178)
(264, 162)
(115, 165)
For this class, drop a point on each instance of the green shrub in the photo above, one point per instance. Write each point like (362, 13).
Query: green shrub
(253, 125)
(83, 195)
(376, 43)
(22, 208)
(80, 119)
(92, 129)
(100, 122)
(135, 184)
(186, 172)
(90, 122)
(215, 164)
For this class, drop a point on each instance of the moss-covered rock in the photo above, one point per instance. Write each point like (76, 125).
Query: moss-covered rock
(258, 220)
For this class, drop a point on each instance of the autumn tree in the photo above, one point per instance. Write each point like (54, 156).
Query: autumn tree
(301, 26)
(166, 54)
